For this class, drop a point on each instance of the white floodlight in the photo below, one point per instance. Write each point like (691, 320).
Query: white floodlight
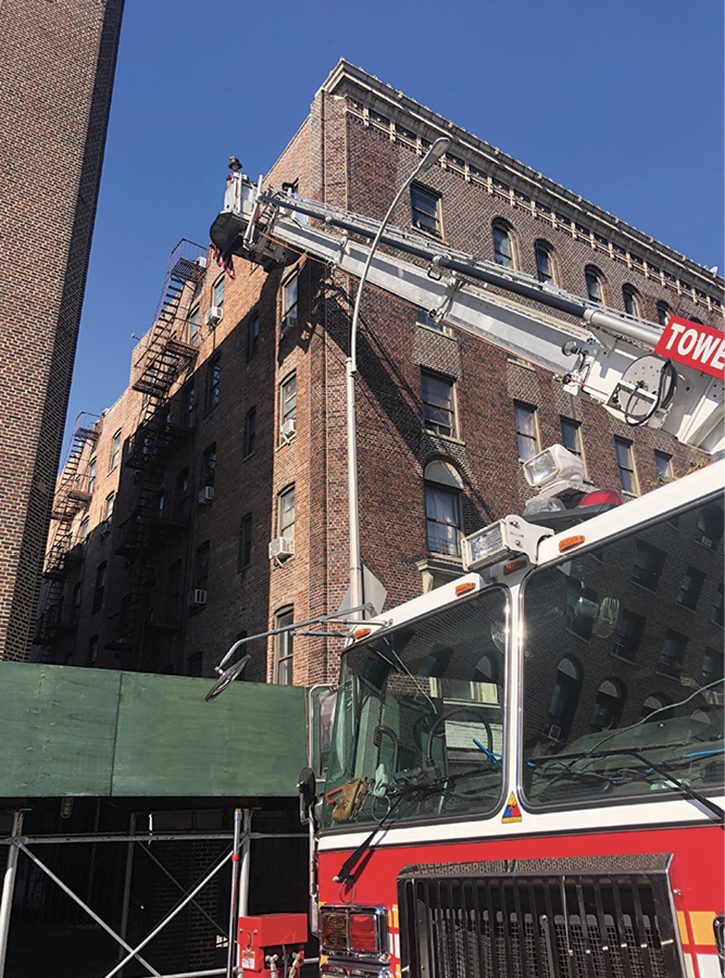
(554, 470)
(506, 539)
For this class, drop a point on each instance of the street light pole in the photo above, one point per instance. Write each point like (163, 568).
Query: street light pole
(439, 147)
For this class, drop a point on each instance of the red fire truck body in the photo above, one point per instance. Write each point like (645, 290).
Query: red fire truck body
(526, 771)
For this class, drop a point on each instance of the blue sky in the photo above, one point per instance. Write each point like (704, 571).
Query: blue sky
(619, 101)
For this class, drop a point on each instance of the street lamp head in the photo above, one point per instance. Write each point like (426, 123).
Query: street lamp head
(439, 147)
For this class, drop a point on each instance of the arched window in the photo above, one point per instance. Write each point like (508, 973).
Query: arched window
(663, 313)
(630, 297)
(544, 261)
(564, 699)
(653, 703)
(607, 707)
(443, 488)
(503, 251)
(595, 283)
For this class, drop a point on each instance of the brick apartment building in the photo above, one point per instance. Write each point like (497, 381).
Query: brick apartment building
(231, 433)
(56, 74)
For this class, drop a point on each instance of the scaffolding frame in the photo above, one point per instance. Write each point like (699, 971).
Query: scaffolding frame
(238, 853)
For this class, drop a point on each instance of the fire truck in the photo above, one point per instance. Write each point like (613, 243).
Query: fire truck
(525, 775)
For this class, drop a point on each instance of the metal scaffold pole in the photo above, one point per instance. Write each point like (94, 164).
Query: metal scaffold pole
(9, 888)
(234, 893)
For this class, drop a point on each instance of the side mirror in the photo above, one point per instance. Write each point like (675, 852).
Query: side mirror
(307, 790)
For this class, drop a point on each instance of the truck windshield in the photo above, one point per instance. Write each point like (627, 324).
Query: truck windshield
(419, 719)
(623, 666)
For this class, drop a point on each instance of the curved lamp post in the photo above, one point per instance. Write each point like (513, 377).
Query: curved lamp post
(439, 147)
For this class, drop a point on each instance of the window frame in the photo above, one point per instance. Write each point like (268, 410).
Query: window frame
(541, 246)
(115, 450)
(524, 437)
(501, 227)
(283, 647)
(663, 313)
(202, 564)
(213, 382)
(108, 506)
(454, 495)
(208, 465)
(631, 301)
(253, 331)
(217, 291)
(250, 432)
(91, 480)
(285, 525)
(290, 309)
(595, 275)
(245, 541)
(99, 587)
(287, 411)
(426, 223)
(192, 320)
(429, 407)
(627, 445)
(576, 426)
(665, 470)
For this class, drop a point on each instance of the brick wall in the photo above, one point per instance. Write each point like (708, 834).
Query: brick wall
(359, 143)
(56, 75)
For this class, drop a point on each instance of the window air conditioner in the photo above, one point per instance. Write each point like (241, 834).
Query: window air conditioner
(553, 731)
(289, 322)
(105, 528)
(196, 598)
(206, 494)
(213, 315)
(281, 548)
(287, 429)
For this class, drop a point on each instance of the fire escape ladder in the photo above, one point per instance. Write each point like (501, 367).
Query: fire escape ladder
(73, 493)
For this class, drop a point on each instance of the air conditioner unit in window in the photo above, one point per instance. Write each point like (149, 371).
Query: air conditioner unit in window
(213, 315)
(287, 429)
(105, 528)
(206, 494)
(289, 322)
(196, 598)
(281, 548)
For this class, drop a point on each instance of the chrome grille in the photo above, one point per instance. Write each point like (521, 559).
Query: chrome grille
(465, 922)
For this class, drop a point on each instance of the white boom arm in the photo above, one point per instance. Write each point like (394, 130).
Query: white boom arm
(609, 359)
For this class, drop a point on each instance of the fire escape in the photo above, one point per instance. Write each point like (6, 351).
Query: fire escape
(165, 358)
(73, 494)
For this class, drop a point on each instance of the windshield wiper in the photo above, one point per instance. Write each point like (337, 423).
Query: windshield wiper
(637, 753)
(347, 869)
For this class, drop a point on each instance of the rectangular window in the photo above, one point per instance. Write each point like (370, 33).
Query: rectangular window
(625, 463)
(663, 461)
(250, 431)
(193, 326)
(283, 651)
(527, 438)
(115, 450)
(181, 500)
(217, 292)
(100, 586)
(172, 599)
(286, 513)
(91, 484)
(252, 336)
(287, 407)
(76, 603)
(712, 666)
(648, 564)
(425, 209)
(108, 509)
(245, 542)
(188, 404)
(83, 530)
(213, 382)
(208, 466)
(442, 512)
(629, 634)
(439, 412)
(289, 302)
(92, 650)
(571, 436)
(201, 567)
(672, 654)
(717, 608)
(710, 527)
(690, 588)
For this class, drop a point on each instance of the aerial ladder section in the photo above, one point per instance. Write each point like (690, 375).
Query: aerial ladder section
(608, 356)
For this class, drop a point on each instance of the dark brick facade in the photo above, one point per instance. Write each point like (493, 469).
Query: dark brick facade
(56, 76)
(359, 143)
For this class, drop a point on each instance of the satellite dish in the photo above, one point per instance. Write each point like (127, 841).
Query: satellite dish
(226, 677)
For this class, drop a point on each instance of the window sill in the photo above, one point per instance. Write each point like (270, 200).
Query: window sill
(451, 439)
(622, 658)
(433, 235)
